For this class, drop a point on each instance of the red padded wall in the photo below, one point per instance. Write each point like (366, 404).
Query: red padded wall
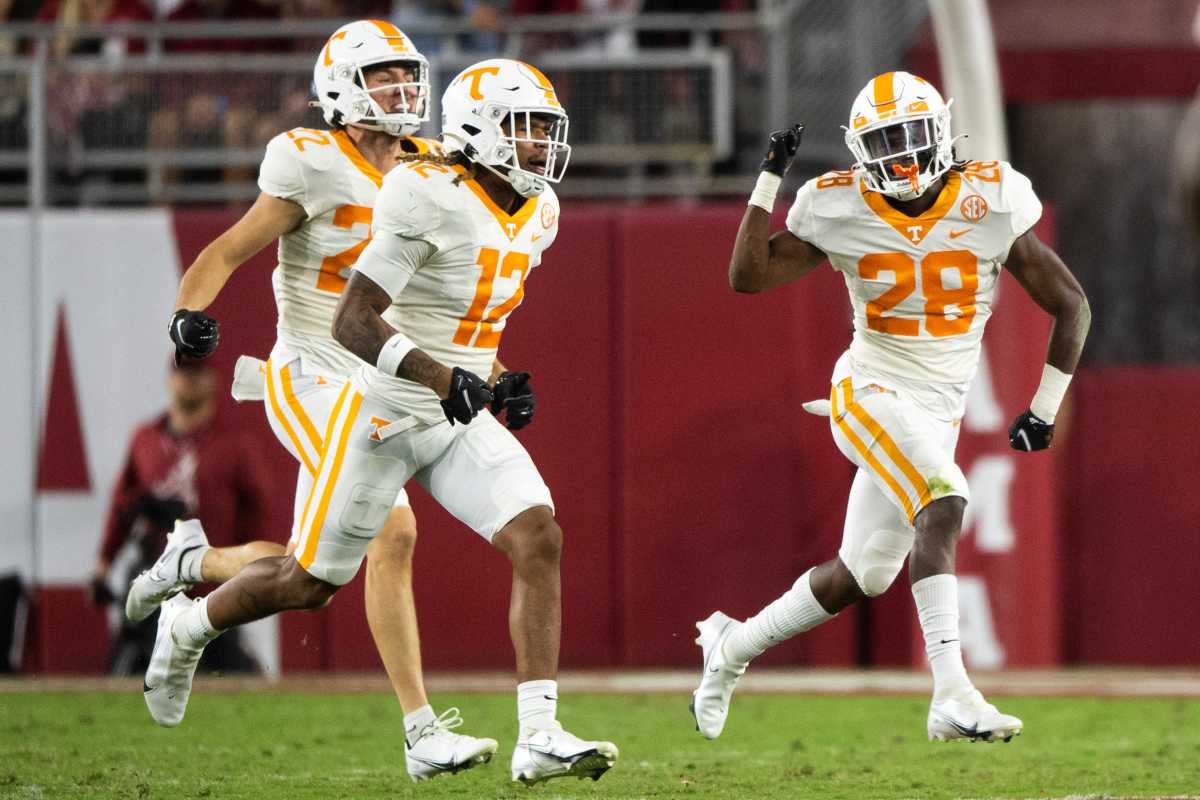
(1132, 517)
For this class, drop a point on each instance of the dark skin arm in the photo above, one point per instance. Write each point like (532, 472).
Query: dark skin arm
(761, 261)
(1047, 280)
(358, 325)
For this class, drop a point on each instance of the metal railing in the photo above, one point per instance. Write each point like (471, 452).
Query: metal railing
(661, 104)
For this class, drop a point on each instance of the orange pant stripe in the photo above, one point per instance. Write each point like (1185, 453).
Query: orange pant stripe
(867, 456)
(339, 452)
(277, 411)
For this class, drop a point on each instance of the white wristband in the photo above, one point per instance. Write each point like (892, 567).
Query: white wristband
(1049, 394)
(765, 190)
(393, 352)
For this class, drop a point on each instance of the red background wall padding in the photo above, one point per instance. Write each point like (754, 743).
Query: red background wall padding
(687, 478)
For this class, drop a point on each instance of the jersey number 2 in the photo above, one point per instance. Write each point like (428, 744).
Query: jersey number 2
(938, 297)
(331, 279)
(478, 327)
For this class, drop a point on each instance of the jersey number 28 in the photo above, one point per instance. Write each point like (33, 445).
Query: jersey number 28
(938, 297)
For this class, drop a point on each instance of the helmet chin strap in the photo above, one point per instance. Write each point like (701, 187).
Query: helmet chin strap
(522, 182)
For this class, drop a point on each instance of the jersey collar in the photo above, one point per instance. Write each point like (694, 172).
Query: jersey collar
(511, 224)
(914, 229)
(346, 145)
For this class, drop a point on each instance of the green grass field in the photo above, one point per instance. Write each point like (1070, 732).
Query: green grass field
(265, 746)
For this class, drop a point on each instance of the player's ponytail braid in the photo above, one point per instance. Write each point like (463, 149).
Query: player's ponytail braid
(441, 159)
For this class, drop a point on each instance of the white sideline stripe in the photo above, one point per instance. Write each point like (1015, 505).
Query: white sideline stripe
(1084, 682)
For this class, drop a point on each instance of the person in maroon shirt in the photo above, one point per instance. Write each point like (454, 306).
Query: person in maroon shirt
(182, 464)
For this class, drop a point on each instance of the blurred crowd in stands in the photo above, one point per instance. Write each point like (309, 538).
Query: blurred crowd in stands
(96, 107)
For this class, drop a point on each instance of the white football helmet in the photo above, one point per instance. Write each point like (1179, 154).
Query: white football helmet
(900, 134)
(341, 87)
(499, 93)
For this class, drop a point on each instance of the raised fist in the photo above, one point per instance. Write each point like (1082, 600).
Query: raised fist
(782, 149)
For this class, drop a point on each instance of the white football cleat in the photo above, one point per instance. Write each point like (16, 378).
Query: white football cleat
(168, 681)
(553, 753)
(163, 580)
(972, 718)
(710, 701)
(439, 751)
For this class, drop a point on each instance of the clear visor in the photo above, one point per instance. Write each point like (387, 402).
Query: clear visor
(898, 139)
(539, 140)
(409, 96)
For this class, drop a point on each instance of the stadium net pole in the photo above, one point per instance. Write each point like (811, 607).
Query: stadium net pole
(37, 177)
(971, 75)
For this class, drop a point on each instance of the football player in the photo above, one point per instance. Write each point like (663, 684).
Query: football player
(453, 243)
(318, 191)
(920, 239)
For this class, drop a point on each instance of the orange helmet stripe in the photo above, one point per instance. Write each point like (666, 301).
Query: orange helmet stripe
(543, 83)
(393, 34)
(885, 92)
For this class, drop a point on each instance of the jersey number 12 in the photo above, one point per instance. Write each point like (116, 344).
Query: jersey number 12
(478, 327)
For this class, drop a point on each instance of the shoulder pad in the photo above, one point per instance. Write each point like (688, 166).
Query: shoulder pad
(312, 148)
(410, 200)
(1006, 191)
(825, 197)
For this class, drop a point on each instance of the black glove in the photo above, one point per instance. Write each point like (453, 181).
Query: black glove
(469, 395)
(1028, 432)
(100, 592)
(161, 512)
(782, 149)
(515, 397)
(194, 333)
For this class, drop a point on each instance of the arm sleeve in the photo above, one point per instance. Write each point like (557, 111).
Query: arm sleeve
(120, 507)
(800, 219)
(403, 236)
(391, 260)
(282, 175)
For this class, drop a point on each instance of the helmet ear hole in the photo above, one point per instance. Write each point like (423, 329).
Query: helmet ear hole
(471, 129)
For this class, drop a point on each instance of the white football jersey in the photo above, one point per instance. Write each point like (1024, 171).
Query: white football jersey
(323, 172)
(455, 304)
(921, 287)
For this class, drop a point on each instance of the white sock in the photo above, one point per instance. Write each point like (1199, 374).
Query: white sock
(793, 612)
(192, 628)
(937, 608)
(417, 721)
(537, 704)
(190, 566)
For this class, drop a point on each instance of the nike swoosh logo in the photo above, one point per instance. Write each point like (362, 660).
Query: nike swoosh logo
(535, 237)
(1025, 438)
(441, 765)
(548, 697)
(956, 234)
(948, 641)
(963, 729)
